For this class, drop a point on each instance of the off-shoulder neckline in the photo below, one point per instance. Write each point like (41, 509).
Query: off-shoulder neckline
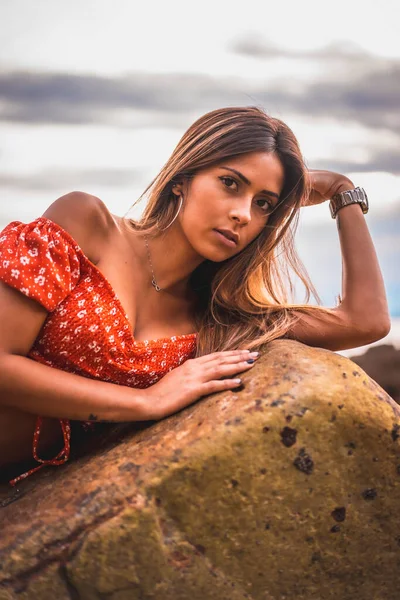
(101, 275)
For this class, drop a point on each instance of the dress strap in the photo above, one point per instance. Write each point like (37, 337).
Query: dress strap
(61, 457)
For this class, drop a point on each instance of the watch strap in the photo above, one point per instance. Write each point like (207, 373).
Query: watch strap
(355, 196)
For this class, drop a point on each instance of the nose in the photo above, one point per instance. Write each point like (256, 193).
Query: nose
(241, 211)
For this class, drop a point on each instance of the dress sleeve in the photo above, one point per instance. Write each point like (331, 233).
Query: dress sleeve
(40, 260)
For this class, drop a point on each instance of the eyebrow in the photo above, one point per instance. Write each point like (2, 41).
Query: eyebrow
(248, 182)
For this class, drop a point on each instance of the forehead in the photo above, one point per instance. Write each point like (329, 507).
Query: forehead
(262, 169)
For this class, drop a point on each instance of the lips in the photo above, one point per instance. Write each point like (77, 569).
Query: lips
(229, 235)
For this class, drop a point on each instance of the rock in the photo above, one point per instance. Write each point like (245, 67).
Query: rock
(289, 488)
(382, 363)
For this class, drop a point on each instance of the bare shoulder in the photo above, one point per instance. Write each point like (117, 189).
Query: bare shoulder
(86, 218)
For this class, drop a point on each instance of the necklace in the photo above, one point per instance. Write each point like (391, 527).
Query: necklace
(153, 280)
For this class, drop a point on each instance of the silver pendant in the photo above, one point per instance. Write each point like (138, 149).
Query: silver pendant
(154, 284)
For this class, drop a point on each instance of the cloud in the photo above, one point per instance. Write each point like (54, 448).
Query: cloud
(50, 98)
(173, 100)
(353, 84)
(371, 100)
(338, 51)
(39, 98)
(55, 179)
(386, 161)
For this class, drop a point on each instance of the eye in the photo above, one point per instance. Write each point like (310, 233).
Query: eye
(265, 207)
(228, 181)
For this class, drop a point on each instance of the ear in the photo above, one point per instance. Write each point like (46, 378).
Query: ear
(177, 188)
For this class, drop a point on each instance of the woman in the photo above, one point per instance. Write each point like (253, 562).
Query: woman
(108, 319)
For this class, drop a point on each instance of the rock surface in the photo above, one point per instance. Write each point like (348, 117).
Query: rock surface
(287, 489)
(382, 363)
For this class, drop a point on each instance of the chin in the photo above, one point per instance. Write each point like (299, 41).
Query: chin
(219, 255)
(213, 250)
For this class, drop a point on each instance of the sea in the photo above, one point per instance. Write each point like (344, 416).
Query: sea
(393, 338)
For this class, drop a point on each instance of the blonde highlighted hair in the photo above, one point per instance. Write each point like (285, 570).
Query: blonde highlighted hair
(245, 301)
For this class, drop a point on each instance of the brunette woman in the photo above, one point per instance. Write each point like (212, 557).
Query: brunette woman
(104, 318)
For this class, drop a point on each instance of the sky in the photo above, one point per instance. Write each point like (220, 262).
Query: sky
(94, 96)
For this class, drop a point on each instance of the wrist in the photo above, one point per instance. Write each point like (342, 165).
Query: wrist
(149, 404)
(133, 405)
(353, 209)
(347, 197)
(344, 186)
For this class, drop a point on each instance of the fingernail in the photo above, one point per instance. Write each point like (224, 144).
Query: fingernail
(238, 381)
(254, 354)
(250, 361)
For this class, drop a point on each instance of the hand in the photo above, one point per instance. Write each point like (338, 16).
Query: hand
(324, 185)
(197, 377)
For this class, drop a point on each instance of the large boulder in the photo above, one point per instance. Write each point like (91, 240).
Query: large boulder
(287, 489)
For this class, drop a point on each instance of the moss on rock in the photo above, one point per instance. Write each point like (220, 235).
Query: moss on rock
(290, 487)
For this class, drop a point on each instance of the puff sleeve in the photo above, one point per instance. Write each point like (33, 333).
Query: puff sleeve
(40, 260)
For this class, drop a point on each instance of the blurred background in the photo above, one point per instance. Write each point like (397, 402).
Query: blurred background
(94, 96)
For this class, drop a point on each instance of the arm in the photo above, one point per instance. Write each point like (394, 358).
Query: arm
(363, 315)
(34, 388)
(39, 389)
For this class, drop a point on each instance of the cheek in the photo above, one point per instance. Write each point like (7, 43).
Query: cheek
(201, 204)
(256, 228)
(252, 235)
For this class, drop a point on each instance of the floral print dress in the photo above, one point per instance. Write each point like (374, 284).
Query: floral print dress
(87, 331)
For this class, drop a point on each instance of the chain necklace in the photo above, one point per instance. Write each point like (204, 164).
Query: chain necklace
(153, 280)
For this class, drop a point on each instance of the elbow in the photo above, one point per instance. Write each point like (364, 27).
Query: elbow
(377, 331)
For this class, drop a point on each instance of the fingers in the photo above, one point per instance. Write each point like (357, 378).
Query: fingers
(223, 365)
(219, 372)
(228, 369)
(219, 385)
(220, 377)
(199, 377)
(226, 356)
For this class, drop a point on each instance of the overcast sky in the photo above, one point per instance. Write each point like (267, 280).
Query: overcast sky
(94, 96)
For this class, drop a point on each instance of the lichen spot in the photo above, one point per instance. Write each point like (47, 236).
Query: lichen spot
(288, 436)
(303, 462)
(339, 513)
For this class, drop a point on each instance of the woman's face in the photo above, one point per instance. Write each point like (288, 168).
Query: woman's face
(233, 199)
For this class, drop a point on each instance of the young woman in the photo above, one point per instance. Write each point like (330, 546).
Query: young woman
(107, 319)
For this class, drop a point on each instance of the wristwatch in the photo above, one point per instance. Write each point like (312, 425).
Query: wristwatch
(356, 196)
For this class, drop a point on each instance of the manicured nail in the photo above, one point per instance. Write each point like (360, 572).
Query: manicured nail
(254, 354)
(251, 361)
(238, 381)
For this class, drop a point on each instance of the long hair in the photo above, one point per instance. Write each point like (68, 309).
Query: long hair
(246, 300)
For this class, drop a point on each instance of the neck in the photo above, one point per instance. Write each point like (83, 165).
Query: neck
(173, 260)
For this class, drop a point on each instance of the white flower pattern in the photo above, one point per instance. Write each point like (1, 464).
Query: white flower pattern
(56, 274)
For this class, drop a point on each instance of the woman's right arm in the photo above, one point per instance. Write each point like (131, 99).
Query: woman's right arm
(41, 390)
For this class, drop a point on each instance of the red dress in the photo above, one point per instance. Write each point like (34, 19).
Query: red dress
(87, 331)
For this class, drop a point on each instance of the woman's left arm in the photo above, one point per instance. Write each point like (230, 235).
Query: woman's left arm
(363, 315)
